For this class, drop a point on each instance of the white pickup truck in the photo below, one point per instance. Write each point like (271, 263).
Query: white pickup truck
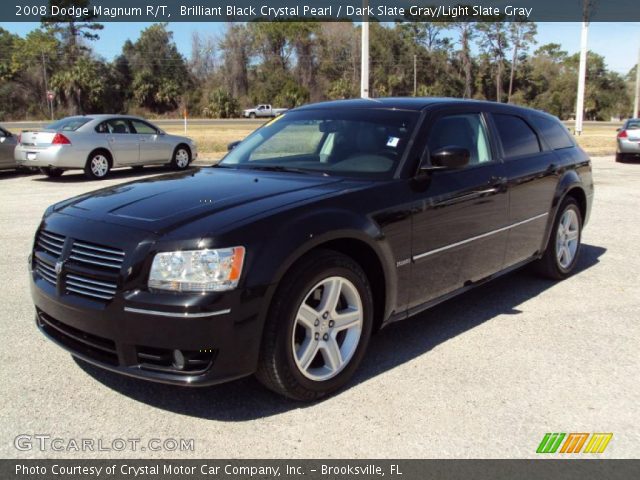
(262, 111)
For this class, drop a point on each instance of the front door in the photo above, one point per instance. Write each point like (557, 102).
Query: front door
(154, 147)
(458, 228)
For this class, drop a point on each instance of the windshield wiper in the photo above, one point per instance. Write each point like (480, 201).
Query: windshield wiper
(281, 168)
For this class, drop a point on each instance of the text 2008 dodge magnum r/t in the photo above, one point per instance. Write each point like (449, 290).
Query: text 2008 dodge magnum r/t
(316, 230)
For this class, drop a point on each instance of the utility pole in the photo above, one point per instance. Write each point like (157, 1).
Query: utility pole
(415, 75)
(582, 71)
(364, 55)
(637, 97)
(46, 87)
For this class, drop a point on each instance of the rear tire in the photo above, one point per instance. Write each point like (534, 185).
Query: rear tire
(318, 327)
(561, 256)
(98, 165)
(51, 172)
(181, 158)
(620, 157)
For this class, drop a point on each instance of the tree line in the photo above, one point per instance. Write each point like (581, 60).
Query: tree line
(290, 63)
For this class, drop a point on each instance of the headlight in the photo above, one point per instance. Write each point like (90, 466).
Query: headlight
(197, 270)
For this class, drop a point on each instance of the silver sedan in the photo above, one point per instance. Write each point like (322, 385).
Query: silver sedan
(7, 146)
(98, 143)
(628, 140)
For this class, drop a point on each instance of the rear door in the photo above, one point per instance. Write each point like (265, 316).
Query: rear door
(154, 147)
(458, 234)
(532, 174)
(123, 143)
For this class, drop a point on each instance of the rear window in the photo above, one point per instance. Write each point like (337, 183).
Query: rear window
(70, 124)
(633, 124)
(554, 132)
(517, 137)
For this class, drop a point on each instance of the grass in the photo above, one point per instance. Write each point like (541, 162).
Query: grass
(212, 140)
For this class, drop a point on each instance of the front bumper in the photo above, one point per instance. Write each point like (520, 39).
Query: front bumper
(223, 346)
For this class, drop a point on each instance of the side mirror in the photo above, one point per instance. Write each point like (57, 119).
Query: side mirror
(445, 158)
(232, 145)
(618, 129)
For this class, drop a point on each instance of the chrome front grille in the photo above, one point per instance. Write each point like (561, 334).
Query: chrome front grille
(96, 255)
(46, 271)
(90, 288)
(51, 243)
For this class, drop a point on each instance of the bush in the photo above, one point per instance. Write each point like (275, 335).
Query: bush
(221, 104)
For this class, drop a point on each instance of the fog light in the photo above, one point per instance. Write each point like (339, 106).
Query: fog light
(178, 360)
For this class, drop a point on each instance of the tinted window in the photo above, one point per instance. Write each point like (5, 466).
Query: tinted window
(143, 127)
(517, 137)
(69, 124)
(553, 132)
(465, 131)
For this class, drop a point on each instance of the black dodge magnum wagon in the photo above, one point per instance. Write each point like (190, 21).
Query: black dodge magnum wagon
(319, 228)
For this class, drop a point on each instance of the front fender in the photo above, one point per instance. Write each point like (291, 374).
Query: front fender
(297, 236)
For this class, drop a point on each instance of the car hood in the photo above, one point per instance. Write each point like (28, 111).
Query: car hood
(162, 203)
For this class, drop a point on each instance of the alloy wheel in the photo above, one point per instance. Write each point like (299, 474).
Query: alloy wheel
(567, 238)
(182, 158)
(99, 166)
(327, 328)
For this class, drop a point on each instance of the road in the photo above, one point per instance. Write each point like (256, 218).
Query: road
(485, 375)
(18, 126)
(245, 122)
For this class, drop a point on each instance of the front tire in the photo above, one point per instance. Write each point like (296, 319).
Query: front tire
(98, 166)
(561, 256)
(318, 327)
(181, 158)
(51, 172)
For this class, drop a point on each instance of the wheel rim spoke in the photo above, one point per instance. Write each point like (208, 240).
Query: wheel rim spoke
(330, 295)
(567, 238)
(307, 352)
(332, 354)
(346, 319)
(307, 316)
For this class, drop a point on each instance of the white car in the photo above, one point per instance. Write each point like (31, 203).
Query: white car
(98, 143)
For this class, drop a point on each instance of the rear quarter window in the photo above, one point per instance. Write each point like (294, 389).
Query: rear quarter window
(553, 132)
(517, 137)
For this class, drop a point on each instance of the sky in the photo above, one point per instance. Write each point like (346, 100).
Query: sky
(617, 42)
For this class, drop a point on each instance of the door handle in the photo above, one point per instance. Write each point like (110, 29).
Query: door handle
(142, 140)
(111, 139)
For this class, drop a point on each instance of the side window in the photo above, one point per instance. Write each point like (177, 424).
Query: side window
(117, 125)
(143, 128)
(516, 136)
(102, 128)
(464, 130)
(553, 131)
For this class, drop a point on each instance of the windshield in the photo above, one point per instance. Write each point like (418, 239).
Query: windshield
(69, 124)
(349, 142)
(633, 124)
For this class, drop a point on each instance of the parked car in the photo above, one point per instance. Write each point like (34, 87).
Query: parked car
(312, 233)
(628, 140)
(7, 146)
(263, 111)
(98, 143)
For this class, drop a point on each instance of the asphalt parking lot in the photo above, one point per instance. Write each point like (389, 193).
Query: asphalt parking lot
(485, 375)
